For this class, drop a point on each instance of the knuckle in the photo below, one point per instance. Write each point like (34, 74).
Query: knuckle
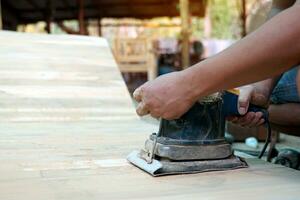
(147, 104)
(138, 111)
(136, 94)
(176, 117)
(142, 89)
(155, 114)
(167, 116)
(259, 114)
(251, 116)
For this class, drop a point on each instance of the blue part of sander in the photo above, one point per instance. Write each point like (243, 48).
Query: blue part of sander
(230, 106)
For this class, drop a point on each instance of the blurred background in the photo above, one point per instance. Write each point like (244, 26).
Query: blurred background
(147, 37)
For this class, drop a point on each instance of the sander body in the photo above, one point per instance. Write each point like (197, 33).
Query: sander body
(193, 143)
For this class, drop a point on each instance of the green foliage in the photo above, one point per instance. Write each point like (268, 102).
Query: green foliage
(197, 27)
(224, 18)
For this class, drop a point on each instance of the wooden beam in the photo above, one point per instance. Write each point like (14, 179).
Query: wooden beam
(67, 29)
(99, 27)
(42, 11)
(139, 9)
(131, 3)
(185, 33)
(173, 25)
(1, 23)
(7, 7)
(82, 26)
(67, 5)
(33, 4)
(244, 18)
(10, 16)
(207, 21)
(49, 14)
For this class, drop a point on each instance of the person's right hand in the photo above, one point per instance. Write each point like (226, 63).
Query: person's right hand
(250, 119)
(168, 96)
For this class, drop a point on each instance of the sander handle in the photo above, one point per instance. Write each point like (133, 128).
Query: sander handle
(230, 108)
(230, 105)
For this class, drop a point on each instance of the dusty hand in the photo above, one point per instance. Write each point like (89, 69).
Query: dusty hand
(247, 94)
(168, 96)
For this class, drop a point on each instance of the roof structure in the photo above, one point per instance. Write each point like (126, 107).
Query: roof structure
(30, 11)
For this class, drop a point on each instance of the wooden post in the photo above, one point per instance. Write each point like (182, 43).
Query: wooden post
(99, 27)
(207, 21)
(244, 17)
(1, 22)
(49, 15)
(82, 27)
(185, 33)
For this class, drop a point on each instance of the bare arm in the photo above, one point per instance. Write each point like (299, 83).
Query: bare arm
(263, 89)
(267, 52)
(282, 115)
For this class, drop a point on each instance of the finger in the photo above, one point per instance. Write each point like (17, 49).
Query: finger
(232, 118)
(247, 119)
(137, 94)
(235, 119)
(256, 119)
(261, 121)
(243, 101)
(141, 109)
(241, 120)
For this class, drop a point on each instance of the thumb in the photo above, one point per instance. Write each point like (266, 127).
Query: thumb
(244, 100)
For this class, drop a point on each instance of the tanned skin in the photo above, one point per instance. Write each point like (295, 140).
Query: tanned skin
(260, 92)
(265, 53)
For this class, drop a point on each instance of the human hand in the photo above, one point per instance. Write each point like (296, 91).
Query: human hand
(168, 96)
(249, 94)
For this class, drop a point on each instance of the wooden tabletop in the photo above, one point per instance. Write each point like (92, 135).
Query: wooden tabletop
(67, 123)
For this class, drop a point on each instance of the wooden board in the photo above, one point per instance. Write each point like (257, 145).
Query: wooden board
(67, 124)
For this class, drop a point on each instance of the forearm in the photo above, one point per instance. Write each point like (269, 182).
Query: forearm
(285, 114)
(266, 86)
(267, 52)
(263, 90)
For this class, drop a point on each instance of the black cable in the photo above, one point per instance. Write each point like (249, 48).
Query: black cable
(269, 131)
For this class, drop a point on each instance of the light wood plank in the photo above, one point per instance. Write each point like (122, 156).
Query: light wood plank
(67, 123)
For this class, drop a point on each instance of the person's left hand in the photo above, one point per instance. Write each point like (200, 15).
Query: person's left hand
(168, 96)
(250, 119)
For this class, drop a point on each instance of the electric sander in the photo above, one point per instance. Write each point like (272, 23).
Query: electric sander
(195, 142)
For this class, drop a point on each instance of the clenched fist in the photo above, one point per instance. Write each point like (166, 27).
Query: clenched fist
(168, 96)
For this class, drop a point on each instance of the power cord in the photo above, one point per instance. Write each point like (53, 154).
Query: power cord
(268, 138)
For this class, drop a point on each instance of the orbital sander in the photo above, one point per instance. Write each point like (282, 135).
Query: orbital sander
(195, 142)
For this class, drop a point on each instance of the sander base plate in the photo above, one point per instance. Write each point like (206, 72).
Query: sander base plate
(168, 167)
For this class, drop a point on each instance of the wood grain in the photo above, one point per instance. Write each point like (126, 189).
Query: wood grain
(67, 124)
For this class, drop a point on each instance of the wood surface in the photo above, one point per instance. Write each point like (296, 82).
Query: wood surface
(67, 124)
